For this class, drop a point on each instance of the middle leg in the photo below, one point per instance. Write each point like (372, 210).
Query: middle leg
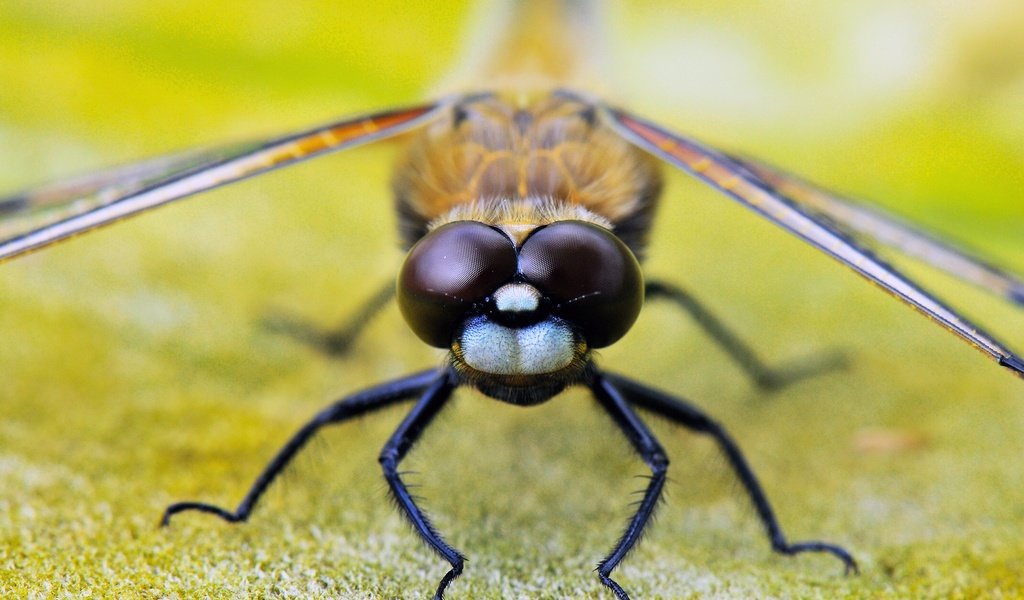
(350, 407)
(692, 418)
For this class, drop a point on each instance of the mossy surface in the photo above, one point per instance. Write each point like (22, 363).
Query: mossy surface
(134, 371)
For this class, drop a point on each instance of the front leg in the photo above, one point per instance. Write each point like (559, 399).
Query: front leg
(650, 451)
(692, 418)
(391, 456)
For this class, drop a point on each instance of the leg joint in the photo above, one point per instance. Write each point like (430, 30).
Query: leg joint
(658, 463)
(388, 460)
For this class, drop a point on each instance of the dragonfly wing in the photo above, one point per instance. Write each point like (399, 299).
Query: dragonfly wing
(890, 230)
(728, 176)
(35, 219)
(50, 203)
(119, 180)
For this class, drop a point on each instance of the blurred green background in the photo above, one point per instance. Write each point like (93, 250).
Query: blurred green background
(134, 372)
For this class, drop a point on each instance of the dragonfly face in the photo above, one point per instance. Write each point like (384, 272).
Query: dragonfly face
(520, 319)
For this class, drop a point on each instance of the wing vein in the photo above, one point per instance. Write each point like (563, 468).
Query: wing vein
(137, 188)
(736, 181)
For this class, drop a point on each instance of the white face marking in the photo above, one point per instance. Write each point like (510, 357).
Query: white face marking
(543, 347)
(517, 297)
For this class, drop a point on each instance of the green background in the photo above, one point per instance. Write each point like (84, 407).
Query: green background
(134, 372)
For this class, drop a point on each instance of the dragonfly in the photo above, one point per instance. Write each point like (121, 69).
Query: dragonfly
(525, 211)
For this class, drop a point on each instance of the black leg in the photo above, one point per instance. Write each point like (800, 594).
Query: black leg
(393, 453)
(650, 451)
(336, 341)
(347, 408)
(762, 375)
(692, 418)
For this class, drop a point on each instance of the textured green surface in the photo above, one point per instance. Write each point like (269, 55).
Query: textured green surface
(133, 371)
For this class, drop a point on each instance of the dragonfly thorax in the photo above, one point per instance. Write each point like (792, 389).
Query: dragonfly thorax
(547, 147)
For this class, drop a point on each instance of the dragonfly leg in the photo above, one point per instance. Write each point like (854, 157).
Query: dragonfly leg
(338, 340)
(765, 377)
(391, 456)
(692, 418)
(647, 446)
(347, 408)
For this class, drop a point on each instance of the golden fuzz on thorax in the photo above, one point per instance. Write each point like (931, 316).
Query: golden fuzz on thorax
(526, 149)
(518, 218)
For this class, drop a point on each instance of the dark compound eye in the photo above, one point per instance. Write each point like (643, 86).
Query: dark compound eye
(446, 272)
(591, 275)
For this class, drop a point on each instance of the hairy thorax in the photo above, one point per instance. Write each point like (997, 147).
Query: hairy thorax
(547, 154)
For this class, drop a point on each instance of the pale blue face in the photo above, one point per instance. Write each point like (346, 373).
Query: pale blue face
(543, 347)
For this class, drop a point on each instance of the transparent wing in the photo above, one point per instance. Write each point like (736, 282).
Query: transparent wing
(35, 219)
(115, 181)
(721, 172)
(890, 230)
(50, 203)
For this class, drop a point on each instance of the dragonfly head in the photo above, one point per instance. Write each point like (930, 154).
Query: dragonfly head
(520, 314)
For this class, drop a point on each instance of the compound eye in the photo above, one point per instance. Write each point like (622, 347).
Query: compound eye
(448, 270)
(591, 275)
